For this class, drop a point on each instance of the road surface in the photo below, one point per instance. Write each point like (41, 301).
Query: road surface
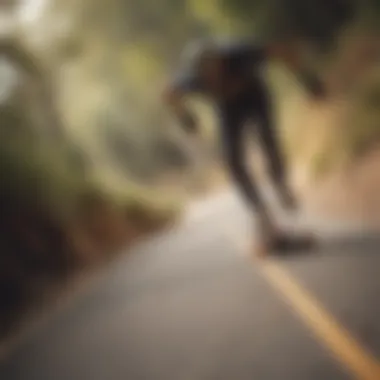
(194, 305)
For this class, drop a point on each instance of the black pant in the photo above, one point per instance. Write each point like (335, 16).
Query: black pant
(252, 109)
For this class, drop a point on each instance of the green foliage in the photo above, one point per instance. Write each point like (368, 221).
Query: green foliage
(39, 172)
(363, 127)
(137, 47)
(316, 20)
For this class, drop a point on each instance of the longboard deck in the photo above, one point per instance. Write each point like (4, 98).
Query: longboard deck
(289, 244)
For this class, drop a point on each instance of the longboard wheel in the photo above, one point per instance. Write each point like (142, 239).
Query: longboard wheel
(289, 242)
(285, 244)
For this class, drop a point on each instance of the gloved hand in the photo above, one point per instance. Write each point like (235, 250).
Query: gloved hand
(189, 122)
(317, 90)
(314, 86)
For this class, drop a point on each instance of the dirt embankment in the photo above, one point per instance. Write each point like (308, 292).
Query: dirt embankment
(41, 255)
(352, 194)
(332, 179)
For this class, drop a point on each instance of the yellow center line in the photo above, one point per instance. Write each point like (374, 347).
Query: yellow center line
(358, 361)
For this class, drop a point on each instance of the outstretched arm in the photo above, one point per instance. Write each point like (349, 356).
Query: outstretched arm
(174, 95)
(291, 57)
(174, 98)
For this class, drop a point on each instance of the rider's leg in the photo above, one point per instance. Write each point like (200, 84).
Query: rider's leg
(284, 240)
(233, 145)
(270, 142)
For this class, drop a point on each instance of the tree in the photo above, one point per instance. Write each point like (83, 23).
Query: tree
(317, 21)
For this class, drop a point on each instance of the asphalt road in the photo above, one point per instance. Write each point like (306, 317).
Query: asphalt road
(194, 305)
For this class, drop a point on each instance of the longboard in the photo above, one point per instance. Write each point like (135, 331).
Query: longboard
(288, 244)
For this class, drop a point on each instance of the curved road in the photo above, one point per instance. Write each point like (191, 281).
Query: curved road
(193, 305)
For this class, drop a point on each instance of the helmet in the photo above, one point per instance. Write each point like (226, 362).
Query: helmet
(196, 52)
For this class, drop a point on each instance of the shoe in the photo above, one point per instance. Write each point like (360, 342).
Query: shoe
(272, 240)
(266, 235)
(286, 243)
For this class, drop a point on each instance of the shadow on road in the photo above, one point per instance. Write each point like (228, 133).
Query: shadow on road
(364, 243)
